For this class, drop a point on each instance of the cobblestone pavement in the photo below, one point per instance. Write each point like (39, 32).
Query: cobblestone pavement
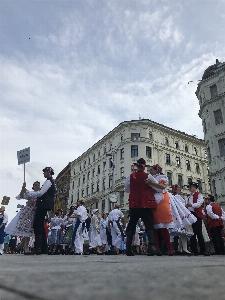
(111, 277)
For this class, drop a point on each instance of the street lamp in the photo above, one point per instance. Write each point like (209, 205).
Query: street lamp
(112, 196)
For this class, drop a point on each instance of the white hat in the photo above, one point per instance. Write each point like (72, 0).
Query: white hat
(94, 210)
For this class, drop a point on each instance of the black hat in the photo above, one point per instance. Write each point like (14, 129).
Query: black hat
(49, 170)
(141, 161)
(72, 207)
(195, 184)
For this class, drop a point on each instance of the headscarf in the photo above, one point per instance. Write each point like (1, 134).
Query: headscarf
(157, 168)
(94, 210)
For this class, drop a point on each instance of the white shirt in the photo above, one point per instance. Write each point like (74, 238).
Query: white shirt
(82, 213)
(197, 204)
(212, 215)
(115, 215)
(46, 186)
(179, 198)
(5, 218)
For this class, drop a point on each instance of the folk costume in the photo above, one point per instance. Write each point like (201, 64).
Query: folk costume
(196, 200)
(69, 222)
(3, 222)
(44, 203)
(95, 231)
(215, 218)
(114, 219)
(141, 205)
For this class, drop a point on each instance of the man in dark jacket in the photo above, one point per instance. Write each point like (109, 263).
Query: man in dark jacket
(44, 203)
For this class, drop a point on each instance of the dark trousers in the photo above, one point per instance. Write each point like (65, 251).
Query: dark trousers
(39, 218)
(197, 229)
(216, 234)
(145, 214)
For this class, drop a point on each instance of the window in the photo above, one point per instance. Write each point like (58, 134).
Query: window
(213, 91)
(199, 185)
(148, 168)
(94, 157)
(180, 180)
(92, 188)
(110, 162)
(73, 185)
(169, 175)
(186, 148)
(103, 184)
(196, 150)
(188, 165)
(97, 187)
(208, 153)
(89, 161)
(87, 191)
(103, 206)
(82, 193)
(204, 126)
(71, 199)
(74, 171)
(79, 182)
(84, 164)
(148, 152)
(176, 145)
(121, 138)
(99, 169)
(221, 143)
(104, 166)
(197, 168)
(189, 180)
(166, 142)
(121, 197)
(135, 136)
(110, 146)
(122, 153)
(105, 150)
(167, 159)
(78, 195)
(93, 172)
(178, 162)
(99, 154)
(150, 136)
(83, 178)
(122, 172)
(218, 117)
(80, 167)
(214, 188)
(96, 205)
(88, 175)
(134, 151)
(110, 180)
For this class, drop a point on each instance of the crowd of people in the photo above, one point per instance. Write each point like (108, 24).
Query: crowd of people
(159, 222)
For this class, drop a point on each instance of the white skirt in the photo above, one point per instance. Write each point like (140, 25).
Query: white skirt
(95, 238)
(103, 236)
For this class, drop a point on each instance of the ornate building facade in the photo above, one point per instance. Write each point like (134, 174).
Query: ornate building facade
(63, 186)
(211, 95)
(95, 177)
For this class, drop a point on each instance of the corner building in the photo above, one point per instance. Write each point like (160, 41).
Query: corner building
(181, 156)
(211, 95)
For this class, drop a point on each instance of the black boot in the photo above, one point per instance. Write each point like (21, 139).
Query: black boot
(38, 244)
(129, 239)
(152, 250)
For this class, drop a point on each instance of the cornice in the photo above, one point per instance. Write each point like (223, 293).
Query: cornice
(208, 102)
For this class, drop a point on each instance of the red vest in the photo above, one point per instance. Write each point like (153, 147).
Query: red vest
(198, 211)
(217, 211)
(141, 195)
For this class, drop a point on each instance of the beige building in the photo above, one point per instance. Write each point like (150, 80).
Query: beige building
(63, 186)
(181, 156)
(211, 95)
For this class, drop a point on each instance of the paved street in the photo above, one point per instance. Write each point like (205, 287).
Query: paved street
(111, 277)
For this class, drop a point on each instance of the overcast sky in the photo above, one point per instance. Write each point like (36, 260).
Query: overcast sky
(71, 71)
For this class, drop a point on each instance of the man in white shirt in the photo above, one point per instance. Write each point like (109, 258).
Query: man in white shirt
(3, 222)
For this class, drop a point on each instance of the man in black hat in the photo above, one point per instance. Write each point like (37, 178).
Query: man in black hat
(45, 202)
(195, 201)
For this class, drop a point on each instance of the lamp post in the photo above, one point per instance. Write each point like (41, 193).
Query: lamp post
(112, 196)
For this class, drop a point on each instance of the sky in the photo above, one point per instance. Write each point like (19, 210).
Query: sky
(71, 71)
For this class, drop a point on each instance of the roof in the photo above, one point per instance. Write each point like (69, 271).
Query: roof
(211, 69)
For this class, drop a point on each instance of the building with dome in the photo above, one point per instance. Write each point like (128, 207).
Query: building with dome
(211, 95)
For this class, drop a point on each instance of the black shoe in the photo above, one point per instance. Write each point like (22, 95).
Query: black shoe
(206, 253)
(153, 251)
(129, 252)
